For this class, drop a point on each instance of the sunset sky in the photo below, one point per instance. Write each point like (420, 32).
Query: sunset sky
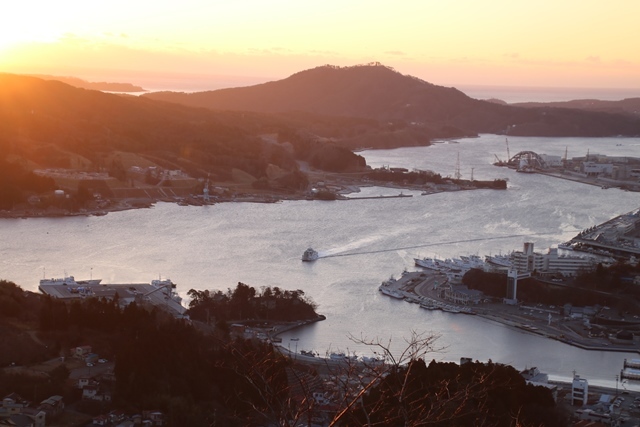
(570, 43)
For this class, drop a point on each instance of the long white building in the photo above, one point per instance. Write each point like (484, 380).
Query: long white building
(568, 265)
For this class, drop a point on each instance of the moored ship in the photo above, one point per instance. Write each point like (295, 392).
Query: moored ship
(160, 293)
(69, 281)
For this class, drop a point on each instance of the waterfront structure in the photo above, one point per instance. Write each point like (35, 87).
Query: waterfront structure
(536, 378)
(512, 286)
(497, 263)
(513, 276)
(630, 369)
(579, 391)
(159, 293)
(551, 160)
(462, 295)
(552, 262)
(619, 236)
(596, 169)
(528, 260)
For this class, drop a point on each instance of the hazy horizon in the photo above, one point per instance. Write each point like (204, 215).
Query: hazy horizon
(507, 93)
(547, 44)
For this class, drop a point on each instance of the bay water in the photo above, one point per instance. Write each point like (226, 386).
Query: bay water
(260, 244)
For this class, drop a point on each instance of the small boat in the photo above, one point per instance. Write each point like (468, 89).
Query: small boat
(310, 255)
(371, 360)
(393, 293)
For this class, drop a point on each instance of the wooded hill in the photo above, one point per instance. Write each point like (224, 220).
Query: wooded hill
(49, 124)
(377, 92)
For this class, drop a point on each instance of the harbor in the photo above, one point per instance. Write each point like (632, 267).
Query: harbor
(432, 291)
(215, 247)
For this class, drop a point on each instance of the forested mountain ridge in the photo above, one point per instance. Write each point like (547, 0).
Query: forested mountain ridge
(49, 124)
(377, 92)
(630, 106)
(84, 84)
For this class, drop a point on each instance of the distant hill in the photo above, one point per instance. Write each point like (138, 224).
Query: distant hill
(630, 106)
(377, 92)
(47, 123)
(103, 86)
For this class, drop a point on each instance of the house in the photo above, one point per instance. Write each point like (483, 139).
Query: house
(53, 406)
(155, 418)
(13, 404)
(28, 418)
(81, 352)
(117, 416)
(89, 392)
(95, 392)
(101, 420)
(15, 411)
(83, 382)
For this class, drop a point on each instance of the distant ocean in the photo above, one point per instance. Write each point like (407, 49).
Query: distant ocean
(509, 94)
(513, 94)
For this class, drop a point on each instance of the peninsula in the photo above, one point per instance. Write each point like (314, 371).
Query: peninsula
(68, 150)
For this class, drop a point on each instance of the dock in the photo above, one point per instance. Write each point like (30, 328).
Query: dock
(378, 197)
(422, 287)
(159, 293)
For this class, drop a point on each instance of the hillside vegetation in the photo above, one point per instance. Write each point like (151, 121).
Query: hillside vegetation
(198, 375)
(49, 124)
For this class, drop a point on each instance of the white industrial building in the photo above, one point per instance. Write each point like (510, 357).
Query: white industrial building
(579, 391)
(552, 262)
(597, 169)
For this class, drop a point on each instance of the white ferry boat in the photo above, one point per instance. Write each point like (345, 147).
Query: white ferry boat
(430, 263)
(310, 255)
(502, 261)
(393, 293)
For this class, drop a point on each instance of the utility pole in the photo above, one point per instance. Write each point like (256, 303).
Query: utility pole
(458, 175)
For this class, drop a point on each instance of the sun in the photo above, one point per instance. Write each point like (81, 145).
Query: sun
(9, 38)
(24, 23)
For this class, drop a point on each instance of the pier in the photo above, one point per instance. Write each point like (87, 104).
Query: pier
(159, 293)
(378, 197)
(423, 287)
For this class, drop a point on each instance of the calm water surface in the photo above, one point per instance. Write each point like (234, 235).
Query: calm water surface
(214, 247)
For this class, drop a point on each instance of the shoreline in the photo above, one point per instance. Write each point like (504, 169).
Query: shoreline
(119, 205)
(294, 325)
(535, 320)
(510, 316)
